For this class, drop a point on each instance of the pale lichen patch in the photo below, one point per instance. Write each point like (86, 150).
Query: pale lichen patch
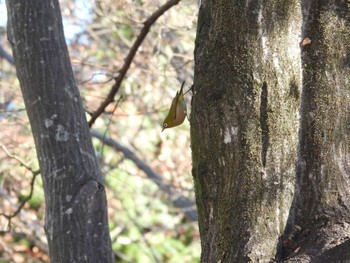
(229, 134)
(69, 211)
(61, 134)
(48, 123)
(43, 136)
(38, 99)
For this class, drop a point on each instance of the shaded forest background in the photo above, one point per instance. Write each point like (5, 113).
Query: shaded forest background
(146, 171)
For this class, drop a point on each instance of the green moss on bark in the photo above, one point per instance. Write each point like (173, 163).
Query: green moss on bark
(243, 142)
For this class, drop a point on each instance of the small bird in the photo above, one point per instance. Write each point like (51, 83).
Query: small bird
(177, 111)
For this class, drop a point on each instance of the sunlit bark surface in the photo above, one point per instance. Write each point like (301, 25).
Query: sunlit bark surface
(244, 126)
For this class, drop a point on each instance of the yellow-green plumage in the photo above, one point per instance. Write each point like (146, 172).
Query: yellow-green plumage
(177, 111)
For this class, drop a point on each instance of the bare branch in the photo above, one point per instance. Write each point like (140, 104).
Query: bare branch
(28, 197)
(19, 160)
(5, 55)
(130, 57)
(179, 200)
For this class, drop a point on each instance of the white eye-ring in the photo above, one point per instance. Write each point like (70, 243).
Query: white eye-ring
(165, 125)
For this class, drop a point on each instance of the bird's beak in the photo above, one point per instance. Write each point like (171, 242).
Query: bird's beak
(163, 129)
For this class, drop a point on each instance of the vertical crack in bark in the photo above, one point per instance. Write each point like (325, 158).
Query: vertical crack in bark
(264, 123)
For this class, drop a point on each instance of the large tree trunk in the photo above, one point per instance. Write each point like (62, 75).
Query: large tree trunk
(244, 125)
(321, 210)
(76, 210)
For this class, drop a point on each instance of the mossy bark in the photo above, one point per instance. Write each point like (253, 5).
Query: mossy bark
(321, 209)
(244, 125)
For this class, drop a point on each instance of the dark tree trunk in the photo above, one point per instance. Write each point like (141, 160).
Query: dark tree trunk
(244, 125)
(76, 210)
(321, 210)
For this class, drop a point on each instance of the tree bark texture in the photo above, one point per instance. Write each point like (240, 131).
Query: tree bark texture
(76, 210)
(244, 125)
(320, 216)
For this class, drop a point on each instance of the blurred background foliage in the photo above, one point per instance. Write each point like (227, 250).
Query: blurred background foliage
(145, 223)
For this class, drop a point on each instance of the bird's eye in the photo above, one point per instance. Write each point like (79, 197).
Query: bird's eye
(165, 125)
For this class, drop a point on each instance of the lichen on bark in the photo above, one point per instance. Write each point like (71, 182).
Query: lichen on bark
(244, 125)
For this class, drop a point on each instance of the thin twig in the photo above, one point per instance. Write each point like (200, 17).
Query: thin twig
(130, 57)
(19, 160)
(5, 55)
(109, 123)
(28, 197)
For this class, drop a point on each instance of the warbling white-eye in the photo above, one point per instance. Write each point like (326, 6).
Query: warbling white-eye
(177, 111)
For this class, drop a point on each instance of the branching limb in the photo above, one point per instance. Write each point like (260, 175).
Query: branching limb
(19, 160)
(130, 57)
(28, 197)
(180, 201)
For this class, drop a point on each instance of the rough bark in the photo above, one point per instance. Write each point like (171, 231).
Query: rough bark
(76, 210)
(320, 216)
(244, 125)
